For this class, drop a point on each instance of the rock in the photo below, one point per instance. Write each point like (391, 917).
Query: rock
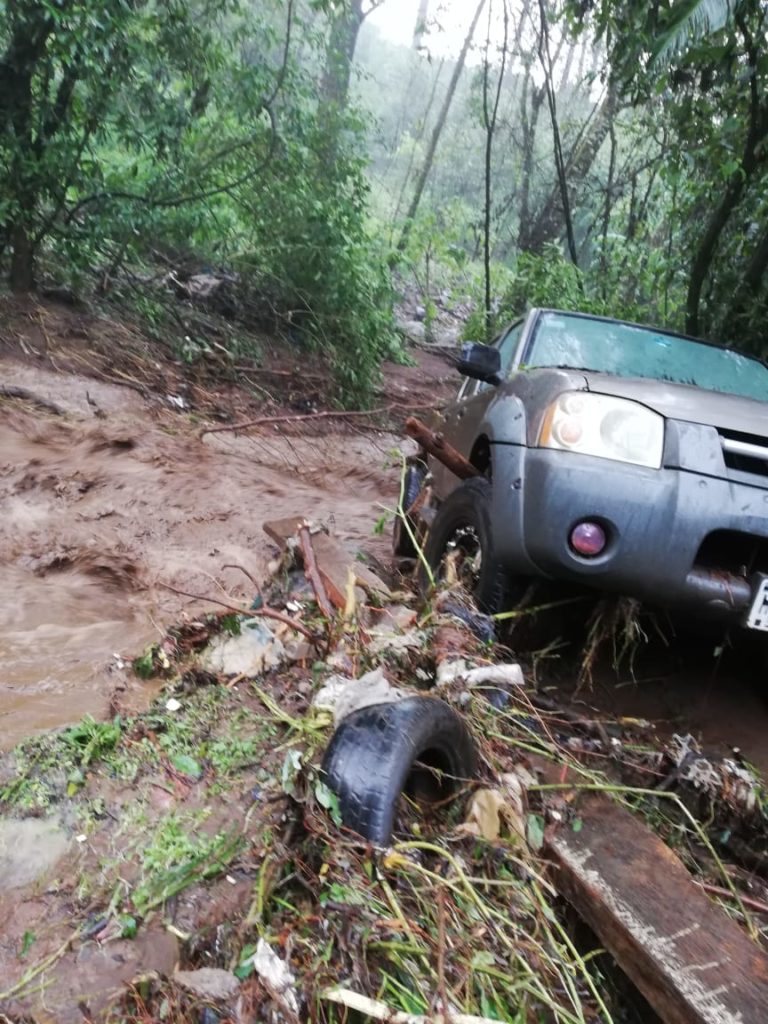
(254, 651)
(209, 982)
(445, 337)
(413, 330)
(29, 848)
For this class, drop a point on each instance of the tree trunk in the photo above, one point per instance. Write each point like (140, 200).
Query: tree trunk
(529, 122)
(753, 155)
(748, 287)
(705, 251)
(17, 70)
(490, 117)
(562, 180)
(438, 129)
(340, 53)
(421, 25)
(548, 226)
(22, 272)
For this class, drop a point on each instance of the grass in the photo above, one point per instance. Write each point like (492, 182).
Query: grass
(442, 919)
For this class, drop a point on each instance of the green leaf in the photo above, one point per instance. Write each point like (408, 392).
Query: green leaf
(186, 764)
(691, 20)
(144, 665)
(535, 831)
(291, 770)
(26, 944)
(328, 799)
(245, 967)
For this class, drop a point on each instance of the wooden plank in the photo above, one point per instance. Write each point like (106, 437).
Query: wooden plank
(692, 962)
(333, 560)
(281, 530)
(334, 563)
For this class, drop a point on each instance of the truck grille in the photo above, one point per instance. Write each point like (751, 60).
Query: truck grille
(729, 551)
(745, 453)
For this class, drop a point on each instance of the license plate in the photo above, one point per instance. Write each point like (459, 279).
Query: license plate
(758, 613)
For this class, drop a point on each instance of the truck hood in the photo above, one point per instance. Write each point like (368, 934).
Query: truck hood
(685, 402)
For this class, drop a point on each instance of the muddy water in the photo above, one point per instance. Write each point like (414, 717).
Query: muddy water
(98, 512)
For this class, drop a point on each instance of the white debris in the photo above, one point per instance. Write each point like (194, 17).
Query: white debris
(172, 704)
(343, 695)
(276, 974)
(720, 779)
(457, 670)
(390, 642)
(255, 650)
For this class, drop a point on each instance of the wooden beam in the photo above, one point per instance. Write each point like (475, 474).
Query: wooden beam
(439, 448)
(693, 963)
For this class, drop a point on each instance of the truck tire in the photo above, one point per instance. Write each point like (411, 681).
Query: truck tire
(379, 752)
(463, 524)
(402, 545)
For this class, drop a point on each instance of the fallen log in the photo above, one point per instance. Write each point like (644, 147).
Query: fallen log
(439, 448)
(692, 962)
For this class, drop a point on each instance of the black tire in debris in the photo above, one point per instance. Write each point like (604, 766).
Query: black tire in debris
(465, 518)
(419, 746)
(402, 545)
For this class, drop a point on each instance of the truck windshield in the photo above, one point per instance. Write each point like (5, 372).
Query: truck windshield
(605, 346)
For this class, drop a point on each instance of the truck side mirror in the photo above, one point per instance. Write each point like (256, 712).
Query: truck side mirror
(480, 362)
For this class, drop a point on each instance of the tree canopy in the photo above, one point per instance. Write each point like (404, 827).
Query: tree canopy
(602, 154)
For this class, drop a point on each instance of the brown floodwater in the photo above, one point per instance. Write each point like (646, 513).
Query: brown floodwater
(98, 512)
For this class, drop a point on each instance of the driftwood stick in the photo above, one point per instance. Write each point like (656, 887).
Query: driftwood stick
(264, 421)
(265, 613)
(438, 447)
(748, 901)
(313, 573)
(6, 391)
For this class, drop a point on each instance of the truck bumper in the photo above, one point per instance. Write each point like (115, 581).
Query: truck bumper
(656, 522)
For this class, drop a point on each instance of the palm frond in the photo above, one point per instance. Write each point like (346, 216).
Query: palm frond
(690, 21)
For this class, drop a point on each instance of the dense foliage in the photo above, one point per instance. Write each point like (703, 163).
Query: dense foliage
(174, 132)
(608, 155)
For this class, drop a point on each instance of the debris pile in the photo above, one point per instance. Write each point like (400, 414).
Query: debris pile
(346, 800)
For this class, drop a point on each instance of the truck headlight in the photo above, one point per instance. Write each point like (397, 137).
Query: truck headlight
(611, 428)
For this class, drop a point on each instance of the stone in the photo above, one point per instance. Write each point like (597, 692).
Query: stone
(209, 982)
(29, 849)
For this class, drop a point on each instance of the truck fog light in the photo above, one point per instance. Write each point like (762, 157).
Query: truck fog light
(588, 539)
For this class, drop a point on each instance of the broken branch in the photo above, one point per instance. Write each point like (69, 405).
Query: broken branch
(380, 1011)
(312, 571)
(265, 613)
(748, 901)
(438, 447)
(264, 421)
(6, 391)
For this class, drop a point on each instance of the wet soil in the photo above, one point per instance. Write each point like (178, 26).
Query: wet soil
(104, 506)
(684, 688)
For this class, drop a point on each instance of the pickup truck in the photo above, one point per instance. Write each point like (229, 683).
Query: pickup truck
(629, 459)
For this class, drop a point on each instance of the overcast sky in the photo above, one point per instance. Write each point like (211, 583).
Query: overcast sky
(396, 19)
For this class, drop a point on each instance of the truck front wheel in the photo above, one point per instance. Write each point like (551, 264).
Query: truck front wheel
(460, 542)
